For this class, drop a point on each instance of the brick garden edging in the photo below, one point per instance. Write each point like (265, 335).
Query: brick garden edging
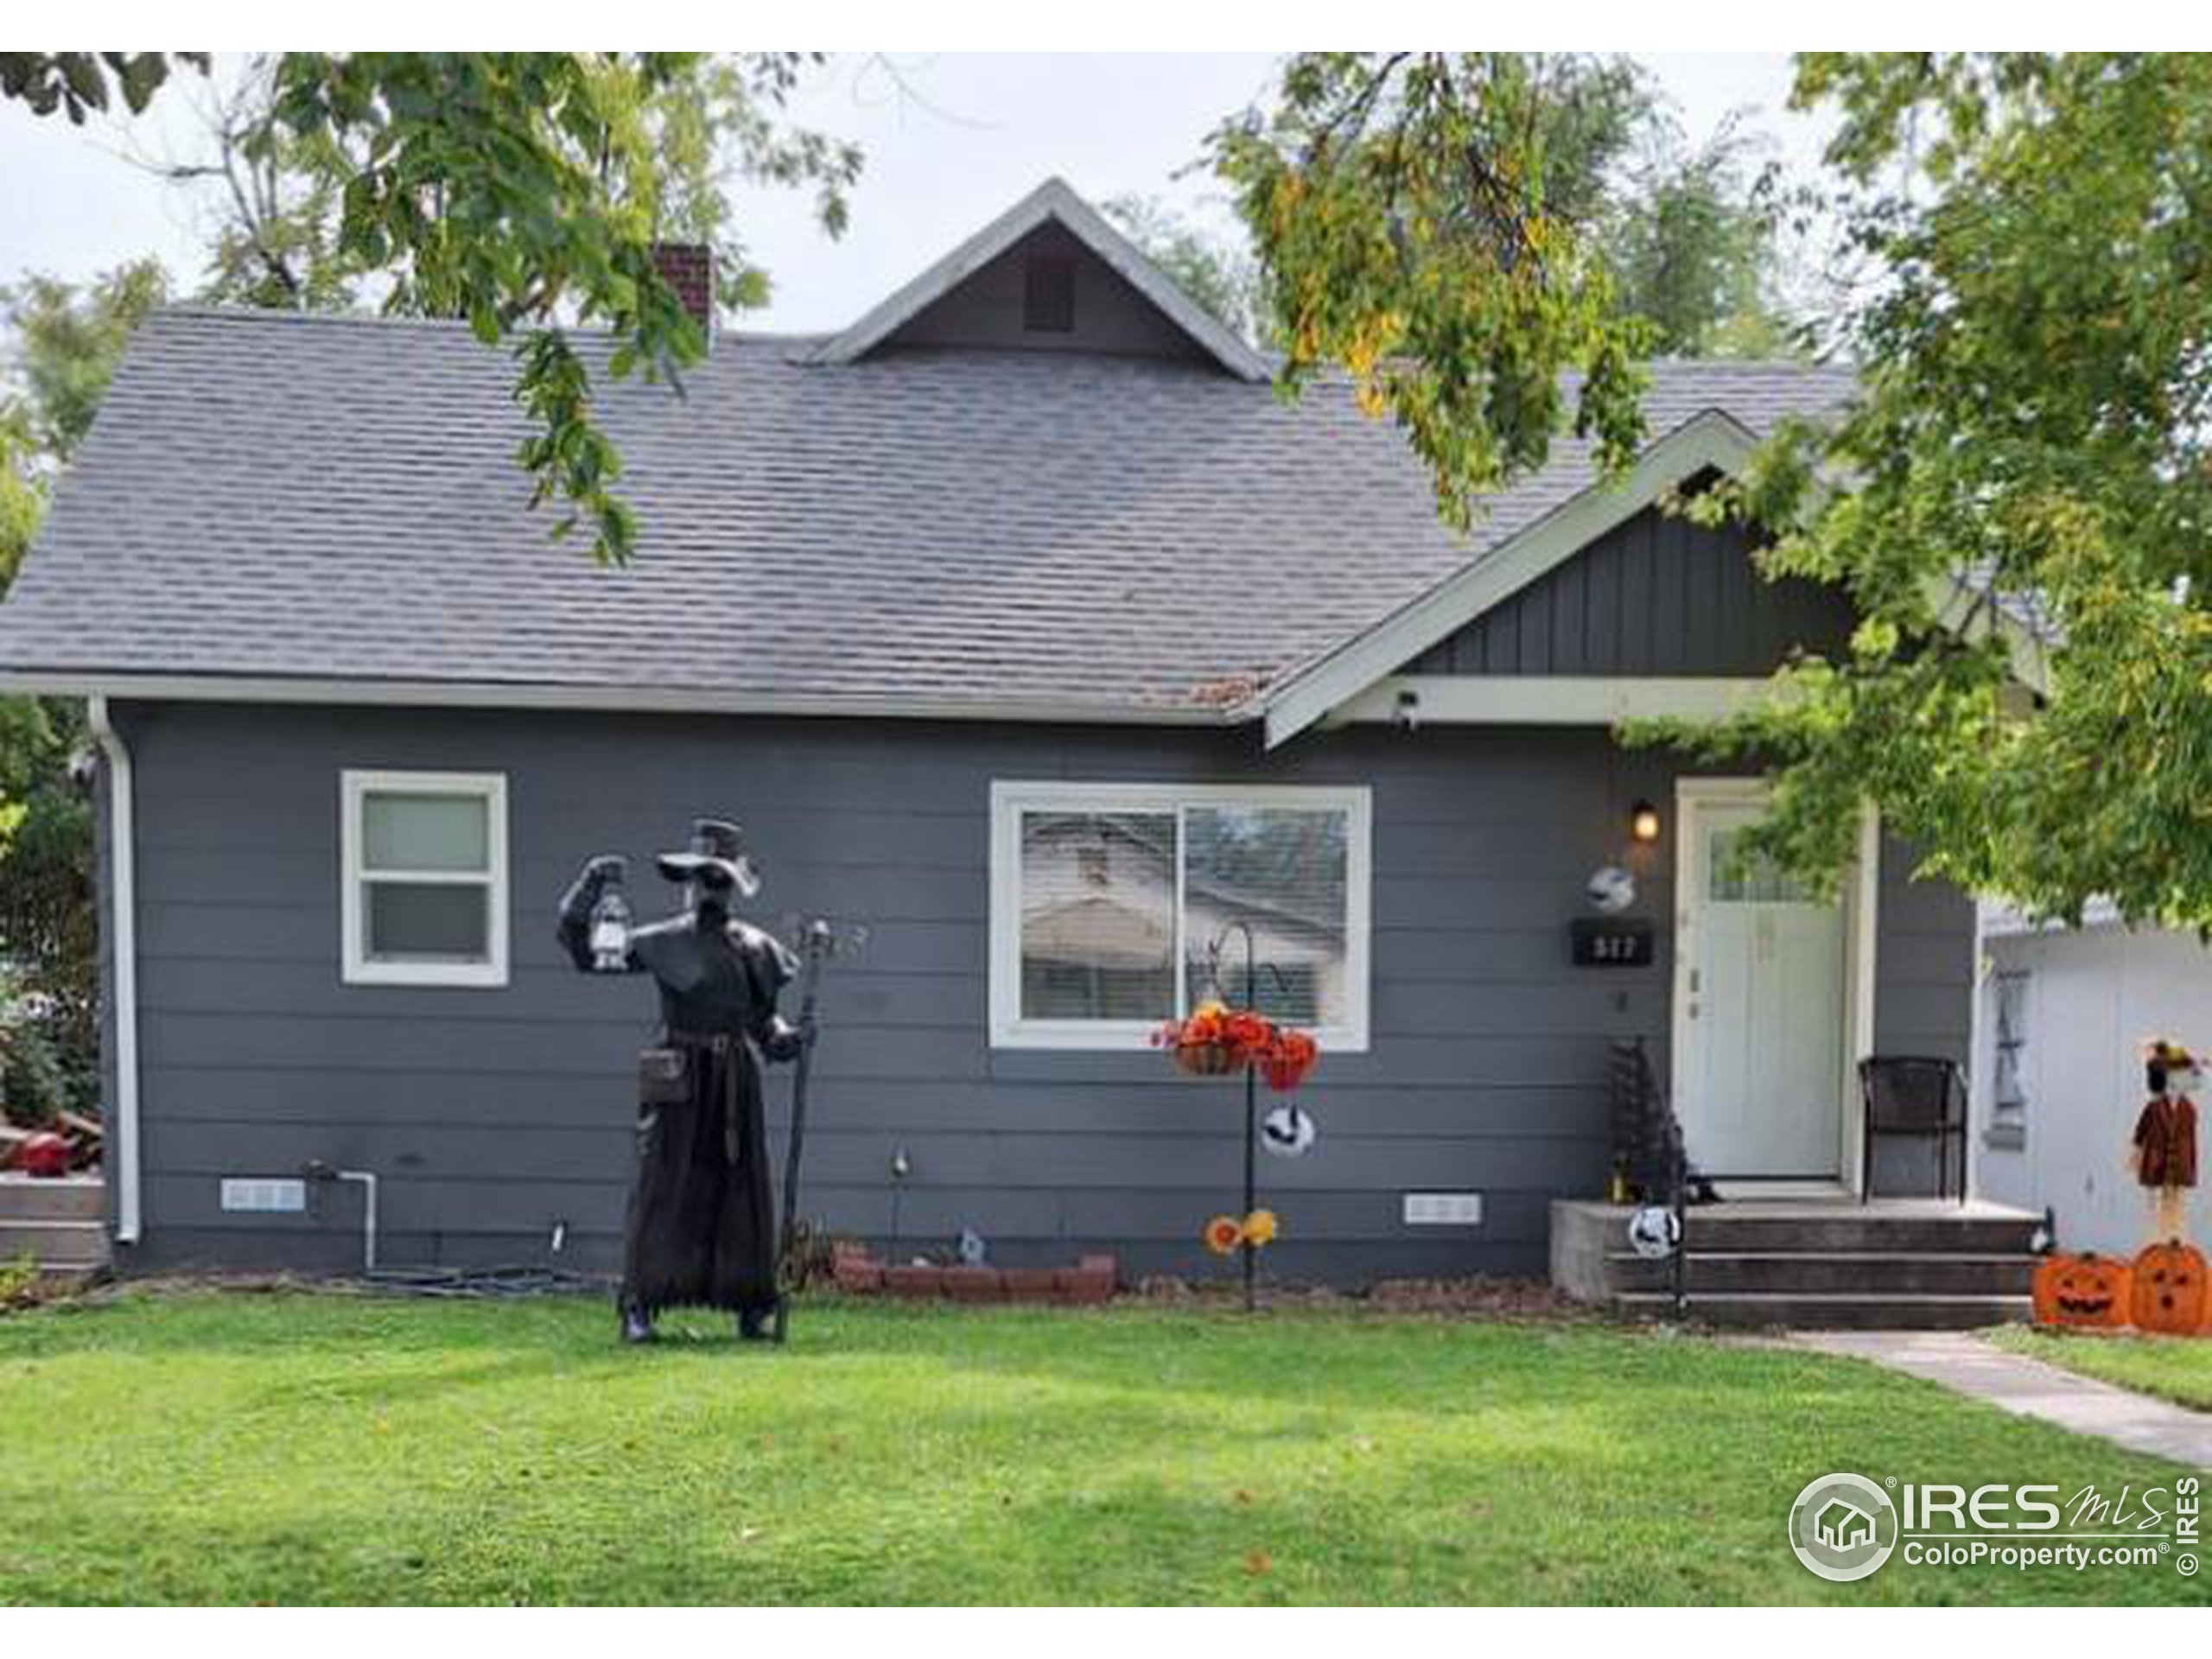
(1090, 1281)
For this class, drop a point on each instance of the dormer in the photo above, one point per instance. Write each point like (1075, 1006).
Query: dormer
(1050, 274)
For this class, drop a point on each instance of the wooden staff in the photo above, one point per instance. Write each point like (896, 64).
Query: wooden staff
(814, 946)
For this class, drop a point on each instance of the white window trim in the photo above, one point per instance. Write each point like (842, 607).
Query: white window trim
(356, 968)
(1009, 800)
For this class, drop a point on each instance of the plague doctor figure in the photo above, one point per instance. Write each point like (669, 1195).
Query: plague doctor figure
(702, 1225)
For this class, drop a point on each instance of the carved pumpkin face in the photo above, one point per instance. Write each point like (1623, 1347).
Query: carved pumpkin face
(2170, 1292)
(2086, 1291)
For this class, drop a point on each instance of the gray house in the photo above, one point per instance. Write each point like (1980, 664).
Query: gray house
(1021, 623)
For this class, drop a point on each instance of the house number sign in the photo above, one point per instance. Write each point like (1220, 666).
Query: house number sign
(1612, 942)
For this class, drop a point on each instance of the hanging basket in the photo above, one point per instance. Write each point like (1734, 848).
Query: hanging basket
(1207, 1059)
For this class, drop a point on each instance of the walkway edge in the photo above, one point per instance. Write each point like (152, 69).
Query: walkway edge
(1966, 1365)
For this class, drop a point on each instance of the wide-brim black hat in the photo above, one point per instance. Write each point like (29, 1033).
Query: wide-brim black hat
(716, 854)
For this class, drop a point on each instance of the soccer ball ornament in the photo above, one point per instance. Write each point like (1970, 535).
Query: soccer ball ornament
(1286, 1131)
(1654, 1231)
(1610, 890)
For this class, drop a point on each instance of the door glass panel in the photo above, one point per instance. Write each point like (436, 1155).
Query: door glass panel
(1732, 878)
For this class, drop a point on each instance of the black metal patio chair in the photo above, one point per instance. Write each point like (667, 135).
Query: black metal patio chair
(1918, 1098)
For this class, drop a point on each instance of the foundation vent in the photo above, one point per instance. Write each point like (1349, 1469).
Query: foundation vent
(263, 1195)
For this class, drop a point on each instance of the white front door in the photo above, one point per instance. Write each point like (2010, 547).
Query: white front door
(1761, 1004)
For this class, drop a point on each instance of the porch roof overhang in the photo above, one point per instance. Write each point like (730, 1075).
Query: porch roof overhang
(1358, 680)
(1350, 673)
(1550, 699)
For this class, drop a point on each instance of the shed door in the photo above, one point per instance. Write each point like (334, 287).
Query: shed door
(1760, 1010)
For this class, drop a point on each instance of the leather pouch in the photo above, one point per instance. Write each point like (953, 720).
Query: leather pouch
(663, 1076)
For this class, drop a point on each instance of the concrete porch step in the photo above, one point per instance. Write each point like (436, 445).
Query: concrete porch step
(73, 1198)
(56, 1244)
(1949, 1273)
(1841, 1311)
(1894, 1264)
(1845, 1229)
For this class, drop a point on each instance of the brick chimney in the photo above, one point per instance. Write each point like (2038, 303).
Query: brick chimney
(688, 268)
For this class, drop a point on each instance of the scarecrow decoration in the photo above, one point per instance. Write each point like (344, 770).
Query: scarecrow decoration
(702, 1222)
(2164, 1153)
(1218, 1041)
(2164, 1289)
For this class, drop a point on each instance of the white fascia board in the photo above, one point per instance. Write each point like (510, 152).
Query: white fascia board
(1999, 921)
(1710, 440)
(1052, 200)
(493, 694)
(1550, 699)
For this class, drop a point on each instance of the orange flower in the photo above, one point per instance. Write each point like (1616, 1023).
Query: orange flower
(1224, 1234)
(1260, 1227)
(1288, 1058)
(1248, 1033)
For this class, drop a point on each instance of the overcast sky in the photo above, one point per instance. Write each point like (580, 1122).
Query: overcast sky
(950, 140)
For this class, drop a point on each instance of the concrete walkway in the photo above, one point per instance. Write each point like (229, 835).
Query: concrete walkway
(2028, 1388)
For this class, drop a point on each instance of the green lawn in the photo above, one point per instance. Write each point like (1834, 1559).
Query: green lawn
(2173, 1368)
(289, 1448)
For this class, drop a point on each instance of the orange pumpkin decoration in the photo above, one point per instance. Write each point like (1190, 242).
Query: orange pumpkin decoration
(2087, 1291)
(2170, 1294)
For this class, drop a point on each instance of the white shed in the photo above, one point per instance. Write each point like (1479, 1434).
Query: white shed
(2061, 1015)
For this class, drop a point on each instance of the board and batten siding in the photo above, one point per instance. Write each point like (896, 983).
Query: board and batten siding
(1656, 595)
(493, 1115)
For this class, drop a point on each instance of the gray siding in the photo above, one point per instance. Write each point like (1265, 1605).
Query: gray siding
(1924, 995)
(1110, 315)
(494, 1113)
(1656, 595)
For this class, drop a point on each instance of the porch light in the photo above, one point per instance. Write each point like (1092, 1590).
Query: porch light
(1644, 823)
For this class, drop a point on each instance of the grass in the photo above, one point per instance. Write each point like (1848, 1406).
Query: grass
(205, 1447)
(2178, 1368)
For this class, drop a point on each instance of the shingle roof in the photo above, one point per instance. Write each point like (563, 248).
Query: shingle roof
(321, 497)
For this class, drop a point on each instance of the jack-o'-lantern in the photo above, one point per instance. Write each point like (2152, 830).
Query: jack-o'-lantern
(2169, 1293)
(2087, 1291)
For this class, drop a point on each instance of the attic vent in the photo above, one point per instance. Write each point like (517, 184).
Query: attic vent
(1048, 295)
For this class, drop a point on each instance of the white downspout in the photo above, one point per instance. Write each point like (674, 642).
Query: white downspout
(123, 946)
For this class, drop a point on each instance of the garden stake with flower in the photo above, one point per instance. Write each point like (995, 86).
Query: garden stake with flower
(1216, 1040)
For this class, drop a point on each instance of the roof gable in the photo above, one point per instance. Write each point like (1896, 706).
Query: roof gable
(1052, 218)
(1709, 440)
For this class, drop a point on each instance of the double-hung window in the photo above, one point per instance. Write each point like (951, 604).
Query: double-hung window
(1116, 906)
(424, 857)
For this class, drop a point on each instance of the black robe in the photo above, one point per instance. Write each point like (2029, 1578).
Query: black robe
(702, 1222)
